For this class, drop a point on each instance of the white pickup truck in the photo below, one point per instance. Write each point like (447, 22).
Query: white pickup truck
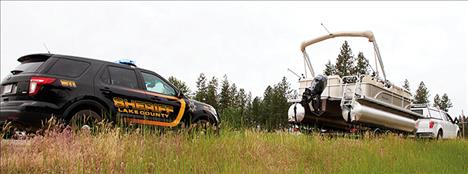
(435, 124)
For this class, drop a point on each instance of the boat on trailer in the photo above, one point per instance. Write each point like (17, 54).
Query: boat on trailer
(358, 101)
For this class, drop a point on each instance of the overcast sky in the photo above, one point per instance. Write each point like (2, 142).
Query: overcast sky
(252, 42)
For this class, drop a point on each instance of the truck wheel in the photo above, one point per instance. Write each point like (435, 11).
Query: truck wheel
(459, 134)
(439, 134)
(84, 119)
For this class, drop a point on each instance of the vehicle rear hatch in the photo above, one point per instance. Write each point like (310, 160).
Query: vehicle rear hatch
(423, 123)
(16, 85)
(426, 125)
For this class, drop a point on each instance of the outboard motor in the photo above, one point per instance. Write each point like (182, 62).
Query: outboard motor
(312, 94)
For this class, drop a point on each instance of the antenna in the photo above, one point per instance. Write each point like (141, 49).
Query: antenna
(325, 28)
(45, 46)
(368, 64)
(294, 73)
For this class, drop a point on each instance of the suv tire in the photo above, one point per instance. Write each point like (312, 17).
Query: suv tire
(84, 117)
(203, 126)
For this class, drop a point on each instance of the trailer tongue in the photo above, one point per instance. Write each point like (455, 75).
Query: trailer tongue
(344, 102)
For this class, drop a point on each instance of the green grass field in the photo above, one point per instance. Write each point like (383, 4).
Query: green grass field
(230, 152)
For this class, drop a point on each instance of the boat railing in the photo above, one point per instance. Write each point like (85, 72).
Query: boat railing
(365, 86)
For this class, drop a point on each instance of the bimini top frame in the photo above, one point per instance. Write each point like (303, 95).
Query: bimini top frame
(367, 34)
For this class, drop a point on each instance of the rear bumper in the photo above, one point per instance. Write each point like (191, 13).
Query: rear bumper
(425, 134)
(26, 113)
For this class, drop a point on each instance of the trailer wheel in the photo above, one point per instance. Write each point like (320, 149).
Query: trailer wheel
(439, 134)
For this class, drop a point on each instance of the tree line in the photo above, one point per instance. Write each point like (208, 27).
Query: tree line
(236, 106)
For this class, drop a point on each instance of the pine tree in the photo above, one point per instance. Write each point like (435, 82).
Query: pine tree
(180, 85)
(242, 100)
(248, 110)
(284, 87)
(275, 106)
(445, 103)
(329, 69)
(233, 95)
(437, 102)
(256, 112)
(406, 85)
(362, 65)
(282, 91)
(422, 94)
(267, 111)
(201, 93)
(225, 99)
(344, 61)
(212, 93)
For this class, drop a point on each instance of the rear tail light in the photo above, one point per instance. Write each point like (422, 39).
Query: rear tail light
(36, 83)
(431, 124)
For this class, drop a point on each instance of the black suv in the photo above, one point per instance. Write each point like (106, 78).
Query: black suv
(70, 87)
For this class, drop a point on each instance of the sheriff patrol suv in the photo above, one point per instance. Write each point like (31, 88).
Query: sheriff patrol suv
(72, 88)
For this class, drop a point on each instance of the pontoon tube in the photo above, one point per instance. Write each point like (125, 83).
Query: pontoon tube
(365, 114)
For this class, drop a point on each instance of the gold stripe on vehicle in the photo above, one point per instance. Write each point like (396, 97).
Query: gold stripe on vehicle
(159, 123)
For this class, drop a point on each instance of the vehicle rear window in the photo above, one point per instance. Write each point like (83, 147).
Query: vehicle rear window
(68, 68)
(123, 77)
(435, 114)
(26, 67)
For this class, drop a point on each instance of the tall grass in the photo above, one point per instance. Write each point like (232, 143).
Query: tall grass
(115, 150)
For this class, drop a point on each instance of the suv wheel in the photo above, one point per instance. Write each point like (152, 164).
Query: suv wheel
(202, 126)
(439, 134)
(84, 119)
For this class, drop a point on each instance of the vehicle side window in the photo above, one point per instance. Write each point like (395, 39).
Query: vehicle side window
(68, 68)
(155, 84)
(123, 77)
(105, 76)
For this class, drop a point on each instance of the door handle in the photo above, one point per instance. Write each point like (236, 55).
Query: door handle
(106, 90)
